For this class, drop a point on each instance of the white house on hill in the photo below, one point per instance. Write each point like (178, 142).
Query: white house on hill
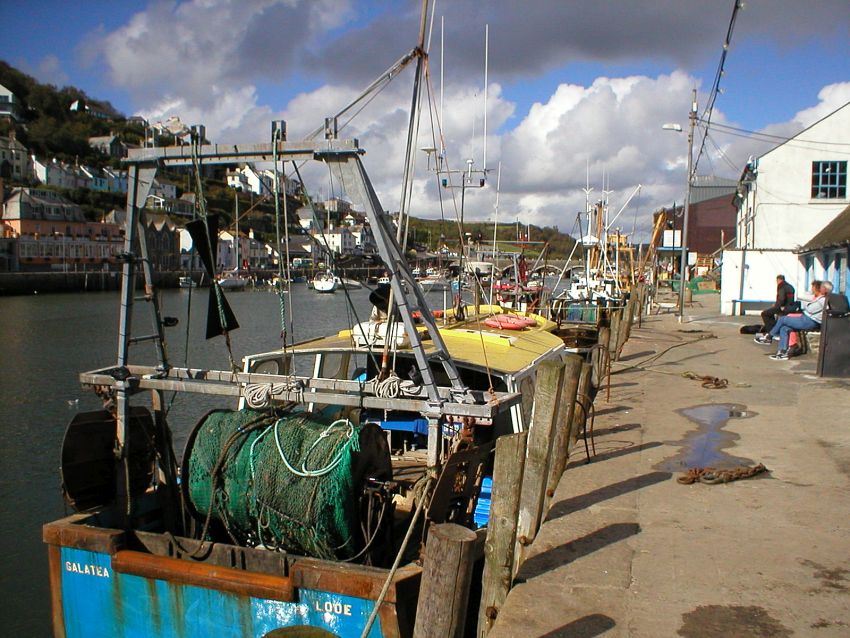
(786, 197)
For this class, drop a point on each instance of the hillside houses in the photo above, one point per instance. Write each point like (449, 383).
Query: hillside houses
(10, 105)
(51, 233)
(109, 145)
(70, 176)
(42, 229)
(249, 179)
(14, 159)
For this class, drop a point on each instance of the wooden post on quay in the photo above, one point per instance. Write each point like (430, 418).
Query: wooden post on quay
(579, 416)
(563, 425)
(641, 303)
(446, 576)
(604, 337)
(625, 326)
(501, 528)
(615, 323)
(546, 396)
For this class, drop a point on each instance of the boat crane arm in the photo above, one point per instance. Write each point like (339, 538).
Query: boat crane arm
(409, 296)
(379, 83)
(623, 207)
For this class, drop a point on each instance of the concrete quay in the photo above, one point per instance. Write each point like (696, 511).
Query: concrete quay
(626, 550)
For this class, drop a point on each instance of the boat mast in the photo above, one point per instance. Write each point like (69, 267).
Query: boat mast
(236, 214)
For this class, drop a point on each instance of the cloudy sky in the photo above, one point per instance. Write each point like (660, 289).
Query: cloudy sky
(577, 89)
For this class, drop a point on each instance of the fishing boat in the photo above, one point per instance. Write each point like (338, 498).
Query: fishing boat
(304, 508)
(289, 509)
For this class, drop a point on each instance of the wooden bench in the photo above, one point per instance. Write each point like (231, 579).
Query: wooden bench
(741, 302)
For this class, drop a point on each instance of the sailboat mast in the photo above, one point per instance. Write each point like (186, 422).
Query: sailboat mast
(236, 208)
(486, 56)
(495, 228)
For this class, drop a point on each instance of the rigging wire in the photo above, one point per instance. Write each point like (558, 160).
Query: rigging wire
(332, 261)
(216, 287)
(283, 288)
(715, 88)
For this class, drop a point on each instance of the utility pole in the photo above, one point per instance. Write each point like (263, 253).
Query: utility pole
(683, 269)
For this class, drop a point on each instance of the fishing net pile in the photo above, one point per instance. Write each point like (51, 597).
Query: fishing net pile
(286, 483)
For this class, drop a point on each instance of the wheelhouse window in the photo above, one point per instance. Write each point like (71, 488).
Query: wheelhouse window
(829, 180)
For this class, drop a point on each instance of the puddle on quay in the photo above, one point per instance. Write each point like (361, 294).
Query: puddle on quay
(705, 446)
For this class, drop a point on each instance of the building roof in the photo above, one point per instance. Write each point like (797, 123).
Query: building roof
(705, 187)
(836, 233)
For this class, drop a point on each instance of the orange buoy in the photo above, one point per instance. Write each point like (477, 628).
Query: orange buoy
(505, 322)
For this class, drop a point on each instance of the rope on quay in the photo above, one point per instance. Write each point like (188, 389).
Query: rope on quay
(709, 382)
(712, 383)
(713, 476)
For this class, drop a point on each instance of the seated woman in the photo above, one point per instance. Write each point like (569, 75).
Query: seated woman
(810, 319)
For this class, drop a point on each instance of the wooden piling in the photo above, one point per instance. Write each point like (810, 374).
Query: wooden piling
(536, 472)
(501, 528)
(446, 576)
(583, 390)
(563, 424)
(604, 336)
(623, 328)
(616, 317)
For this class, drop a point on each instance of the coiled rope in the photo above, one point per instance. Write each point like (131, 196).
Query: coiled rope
(332, 464)
(259, 395)
(394, 386)
(713, 476)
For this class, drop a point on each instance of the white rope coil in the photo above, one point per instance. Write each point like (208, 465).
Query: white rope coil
(259, 395)
(393, 387)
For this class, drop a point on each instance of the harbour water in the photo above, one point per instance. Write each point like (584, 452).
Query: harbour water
(45, 341)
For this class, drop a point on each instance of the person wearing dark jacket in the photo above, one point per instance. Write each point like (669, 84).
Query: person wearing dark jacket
(782, 305)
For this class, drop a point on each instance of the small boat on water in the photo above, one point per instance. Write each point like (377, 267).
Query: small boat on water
(434, 283)
(187, 282)
(348, 284)
(233, 280)
(325, 282)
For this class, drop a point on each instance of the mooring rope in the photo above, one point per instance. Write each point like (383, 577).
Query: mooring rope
(713, 476)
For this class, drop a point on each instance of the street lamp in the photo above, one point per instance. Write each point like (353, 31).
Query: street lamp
(692, 118)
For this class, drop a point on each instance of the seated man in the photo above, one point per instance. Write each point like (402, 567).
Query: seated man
(783, 305)
(810, 319)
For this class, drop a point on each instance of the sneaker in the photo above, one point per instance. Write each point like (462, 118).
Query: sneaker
(780, 356)
(764, 340)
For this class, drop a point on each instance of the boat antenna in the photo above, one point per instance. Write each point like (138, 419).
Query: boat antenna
(495, 226)
(442, 67)
(486, 61)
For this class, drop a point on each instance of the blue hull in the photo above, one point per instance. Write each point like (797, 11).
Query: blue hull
(95, 593)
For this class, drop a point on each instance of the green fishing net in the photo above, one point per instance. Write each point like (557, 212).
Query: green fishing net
(283, 483)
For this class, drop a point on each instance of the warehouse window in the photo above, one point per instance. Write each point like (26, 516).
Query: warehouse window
(829, 180)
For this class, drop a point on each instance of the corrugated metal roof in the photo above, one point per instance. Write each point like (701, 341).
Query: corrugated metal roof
(705, 187)
(835, 233)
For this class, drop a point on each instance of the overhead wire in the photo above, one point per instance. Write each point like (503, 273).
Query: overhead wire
(769, 136)
(715, 87)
